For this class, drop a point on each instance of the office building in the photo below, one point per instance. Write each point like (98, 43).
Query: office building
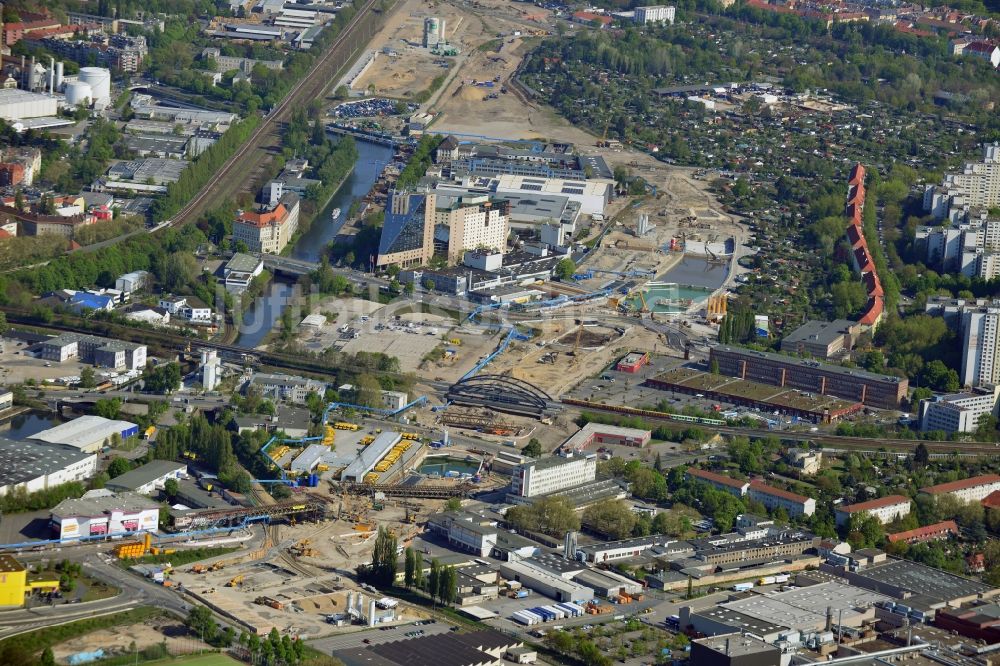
(102, 352)
(408, 230)
(822, 339)
(101, 513)
(593, 196)
(472, 222)
(980, 347)
(550, 475)
(968, 490)
(466, 531)
(885, 509)
(148, 478)
(958, 412)
(654, 14)
(793, 504)
(28, 466)
(285, 387)
(871, 389)
(268, 230)
(240, 271)
(87, 433)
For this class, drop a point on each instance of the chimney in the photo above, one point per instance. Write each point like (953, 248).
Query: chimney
(829, 618)
(727, 647)
(59, 75)
(52, 75)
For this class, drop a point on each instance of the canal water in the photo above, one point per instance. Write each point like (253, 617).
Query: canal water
(25, 425)
(449, 466)
(266, 311)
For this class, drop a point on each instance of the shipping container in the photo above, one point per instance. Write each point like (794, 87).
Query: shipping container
(742, 587)
(781, 578)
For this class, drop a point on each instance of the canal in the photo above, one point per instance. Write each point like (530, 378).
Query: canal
(258, 321)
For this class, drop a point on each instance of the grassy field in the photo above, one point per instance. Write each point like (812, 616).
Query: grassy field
(216, 659)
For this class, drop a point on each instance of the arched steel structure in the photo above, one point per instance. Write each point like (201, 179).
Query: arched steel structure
(502, 393)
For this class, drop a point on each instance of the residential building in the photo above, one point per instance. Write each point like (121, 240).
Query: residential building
(719, 481)
(101, 513)
(775, 498)
(148, 478)
(30, 466)
(240, 271)
(590, 18)
(408, 230)
(937, 531)
(885, 509)
(654, 14)
(11, 174)
(968, 490)
(550, 475)
(985, 51)
(807, 461)
(980, 347)
(394, 400)
(132, 282)
(6, 400)
(195, 311)
(874, 390)
(978, 184)
(115, 354)
(268, 230)
(469, 223)
(824, 340)
(173, 304)
(958, 412)
(285, 387)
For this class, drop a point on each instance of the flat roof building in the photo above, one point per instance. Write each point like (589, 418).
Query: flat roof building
(822, 339)
(735, 649)
(600, 433)
(34, 466)
(370, 456)
(874, 390)
(148, 478)
(806, 608)
(101, 513)
(545, 582)
(550, 475)
(958, 412)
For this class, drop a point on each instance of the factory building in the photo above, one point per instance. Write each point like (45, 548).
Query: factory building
(87, 433)
(101, 513)
(28, 466)
(734, 649)
(14, 583)
(871, 389)
(102, 352)
(545, 582)
(886, 509)
(550, 475)
(16, 104)
(370, 456)
(149, 478)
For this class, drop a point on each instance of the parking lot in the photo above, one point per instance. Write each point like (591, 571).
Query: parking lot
(364, 636)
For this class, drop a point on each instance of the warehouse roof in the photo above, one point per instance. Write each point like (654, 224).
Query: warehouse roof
(371, 454)
(816, 365)
(25, 461)
(933, 585)
(151, 471)
(101, 503)
(309, 458)
(84, 431)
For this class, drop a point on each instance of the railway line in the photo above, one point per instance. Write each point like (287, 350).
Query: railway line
(236, 175)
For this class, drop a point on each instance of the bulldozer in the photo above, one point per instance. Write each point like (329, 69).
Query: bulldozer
(235, 581)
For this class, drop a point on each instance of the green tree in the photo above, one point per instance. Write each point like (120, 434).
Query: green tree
(434, 579)
(88, 378)
(565, 269)
(448, 585)
(108, 409)
(550, 515)
(369, 391)
(613, 518)
(48, 658)
(171, 488)
(119, 466)
(384, 558)
(408, 568)
(533, 448)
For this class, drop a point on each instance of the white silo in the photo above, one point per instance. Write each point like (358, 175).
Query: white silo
(99, 80)
(442, 38)
(78, 92)
(59, 75)
(371, 613)
(432, 32)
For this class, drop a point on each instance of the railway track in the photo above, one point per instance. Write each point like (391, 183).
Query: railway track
(258, 150)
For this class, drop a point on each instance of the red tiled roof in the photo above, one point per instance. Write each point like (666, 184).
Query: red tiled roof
(705, 475)
(873, 284)
(991, 501)
(590, 16)
(873, 312)
(854, 236)
(276, 216)
(944, 527)
(879, 503)
(961, 484)
(762, 487)
(864, 260)
(981, 47)
(857, 175)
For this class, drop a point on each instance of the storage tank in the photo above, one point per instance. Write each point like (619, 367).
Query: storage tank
(99, 80)
(59, 75)
(78, 92)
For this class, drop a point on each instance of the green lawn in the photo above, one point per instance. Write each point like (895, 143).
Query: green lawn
(216, 659)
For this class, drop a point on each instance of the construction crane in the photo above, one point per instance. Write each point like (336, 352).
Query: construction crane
(576, 344)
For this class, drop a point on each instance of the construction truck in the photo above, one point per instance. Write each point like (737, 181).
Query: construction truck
(234, 581)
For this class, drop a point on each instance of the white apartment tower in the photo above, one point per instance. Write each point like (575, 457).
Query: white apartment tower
(980, 365)
(654, 14)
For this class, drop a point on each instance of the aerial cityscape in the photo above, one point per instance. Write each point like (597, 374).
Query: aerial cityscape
(487, 332)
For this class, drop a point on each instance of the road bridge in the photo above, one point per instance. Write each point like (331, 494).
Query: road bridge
(370, 137)
(288, 266)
